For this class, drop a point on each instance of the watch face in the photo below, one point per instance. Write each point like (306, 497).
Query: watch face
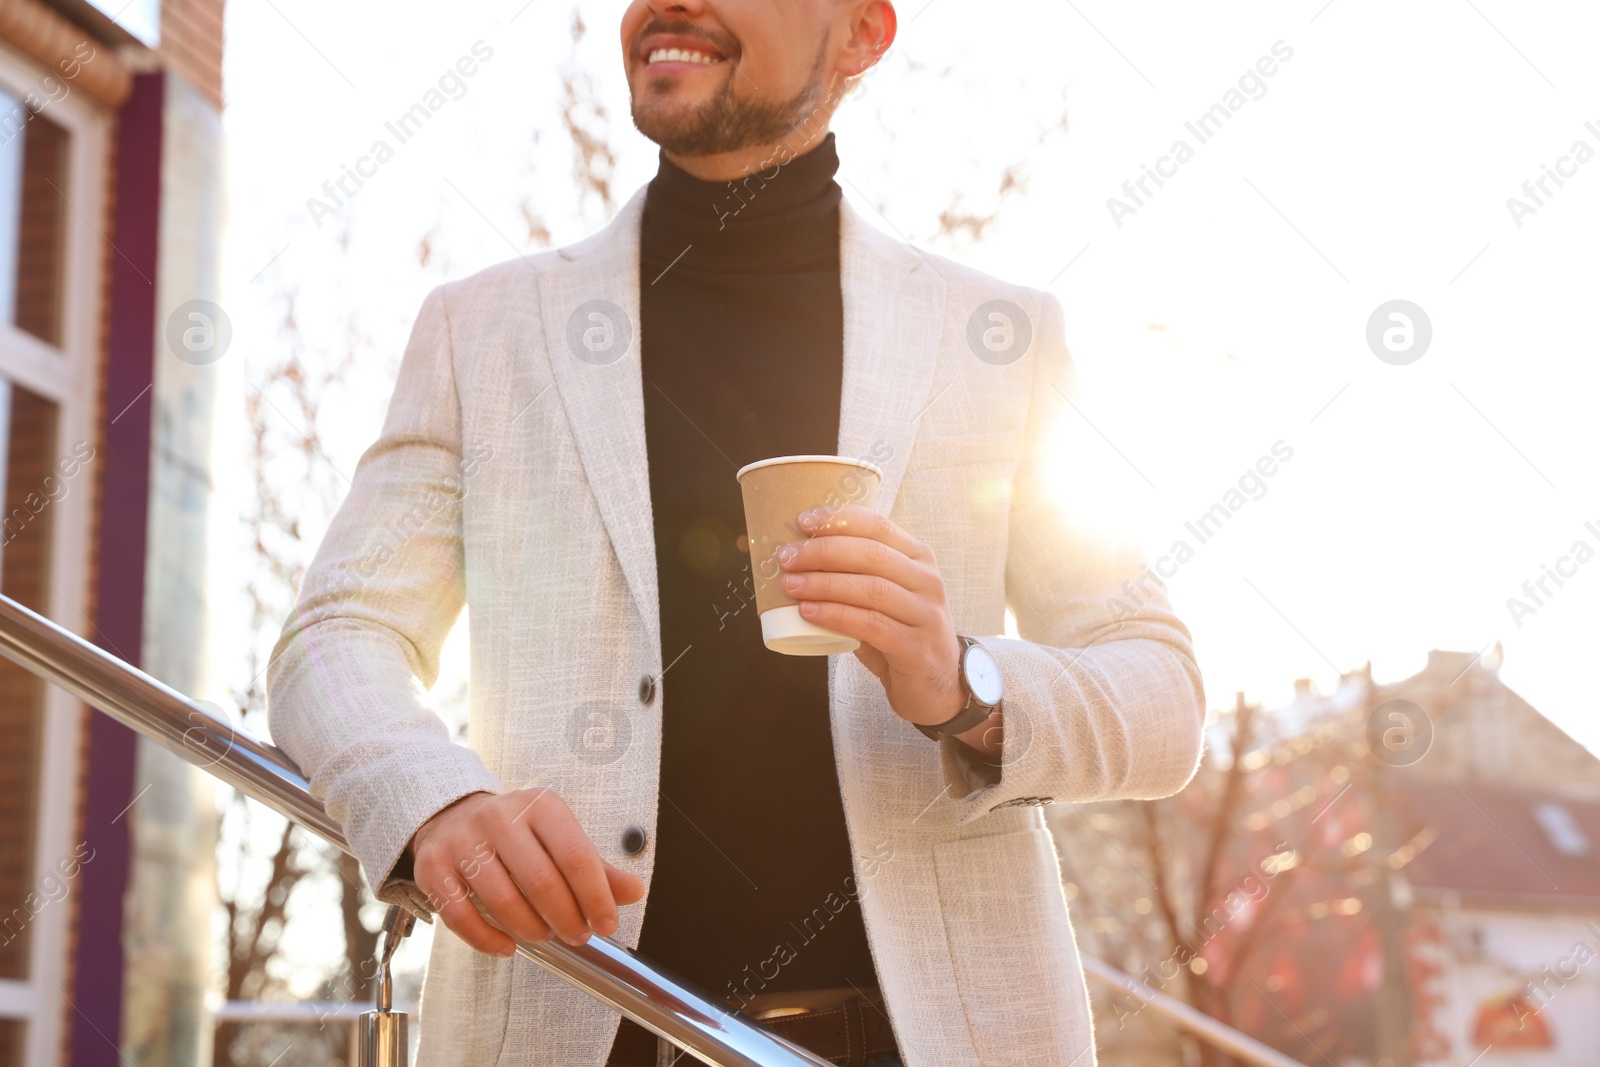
(983, 674)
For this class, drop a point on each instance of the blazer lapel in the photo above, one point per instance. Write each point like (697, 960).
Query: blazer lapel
(893, 302)
(590, 306)
(893, 317)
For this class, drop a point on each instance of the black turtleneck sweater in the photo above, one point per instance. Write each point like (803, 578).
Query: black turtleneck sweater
(742, 340)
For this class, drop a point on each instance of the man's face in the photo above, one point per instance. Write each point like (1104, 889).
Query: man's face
(715, 76)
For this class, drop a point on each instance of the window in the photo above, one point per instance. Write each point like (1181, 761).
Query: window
(52, 176)
(1563, 831)
(32, 175)
(27, 434)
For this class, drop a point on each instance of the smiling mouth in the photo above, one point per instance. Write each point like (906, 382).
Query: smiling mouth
(683, 55)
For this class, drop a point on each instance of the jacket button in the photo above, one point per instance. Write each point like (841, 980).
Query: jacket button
(647, 689)
(633, 839)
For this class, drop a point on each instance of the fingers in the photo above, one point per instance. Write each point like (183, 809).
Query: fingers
(507, 903)
(524, 858)
(626, 887)
(582, 876)
(892, 638)
(863, 555)
(542, 884)
(853, 520)
(869, 591)
(449, 895)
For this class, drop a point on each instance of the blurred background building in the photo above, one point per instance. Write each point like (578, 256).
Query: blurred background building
(1400, 874)
(110, 218)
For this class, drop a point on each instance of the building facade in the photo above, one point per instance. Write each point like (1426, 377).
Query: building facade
(1399, 874)
(110, 213)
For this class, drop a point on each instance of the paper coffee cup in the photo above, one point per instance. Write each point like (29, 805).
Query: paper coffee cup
(775, 492)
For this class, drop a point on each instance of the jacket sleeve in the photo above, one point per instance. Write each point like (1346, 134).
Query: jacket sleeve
(1103, 699)
(347, 677)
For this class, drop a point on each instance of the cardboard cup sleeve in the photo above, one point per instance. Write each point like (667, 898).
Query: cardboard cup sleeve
(775, 492)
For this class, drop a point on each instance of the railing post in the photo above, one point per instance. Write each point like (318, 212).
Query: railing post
(381, 1039)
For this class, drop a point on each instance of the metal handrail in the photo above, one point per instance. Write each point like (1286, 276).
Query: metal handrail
(1183, 1016)
(607, 971)
(614, 975)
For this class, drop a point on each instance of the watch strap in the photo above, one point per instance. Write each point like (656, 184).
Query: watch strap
(972, 713)
(968, 717)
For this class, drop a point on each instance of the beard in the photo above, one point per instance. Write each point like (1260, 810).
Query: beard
(730, 120)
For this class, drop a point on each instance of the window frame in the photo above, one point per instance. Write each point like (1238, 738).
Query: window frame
(69, 376)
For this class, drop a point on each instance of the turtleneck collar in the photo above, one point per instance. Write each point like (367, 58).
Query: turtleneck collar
(784, 217)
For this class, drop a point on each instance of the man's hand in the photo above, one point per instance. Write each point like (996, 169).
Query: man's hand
(524, 857)
(864, 576)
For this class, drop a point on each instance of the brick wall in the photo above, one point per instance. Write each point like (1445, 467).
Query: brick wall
(39, 267)
(191, 46)
(191, 43)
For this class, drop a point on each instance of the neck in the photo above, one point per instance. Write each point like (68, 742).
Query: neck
(781, 216)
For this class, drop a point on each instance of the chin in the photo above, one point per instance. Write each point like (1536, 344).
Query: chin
(671, 90)
(668, 119)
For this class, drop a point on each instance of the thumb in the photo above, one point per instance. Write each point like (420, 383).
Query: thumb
(626, 887)
(873, 660)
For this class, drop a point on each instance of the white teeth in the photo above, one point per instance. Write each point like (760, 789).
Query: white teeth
(678, 55)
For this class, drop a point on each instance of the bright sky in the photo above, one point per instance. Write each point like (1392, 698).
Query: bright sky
(1227, 314)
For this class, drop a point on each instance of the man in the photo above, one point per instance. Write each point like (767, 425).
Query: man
(559, 457)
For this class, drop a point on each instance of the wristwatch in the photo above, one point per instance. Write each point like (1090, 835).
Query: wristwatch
(980, 678)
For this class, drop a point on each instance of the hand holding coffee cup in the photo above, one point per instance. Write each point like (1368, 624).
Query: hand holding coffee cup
(866, 585)
(775, 492)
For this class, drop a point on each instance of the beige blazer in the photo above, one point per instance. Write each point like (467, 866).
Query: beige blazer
(510, 478)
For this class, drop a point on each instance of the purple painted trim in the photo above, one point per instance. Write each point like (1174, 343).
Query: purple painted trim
(124, 464)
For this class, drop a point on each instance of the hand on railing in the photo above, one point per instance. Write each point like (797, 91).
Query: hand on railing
(613, 975)
(529, 864)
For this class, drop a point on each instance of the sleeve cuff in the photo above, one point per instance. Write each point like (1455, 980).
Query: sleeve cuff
(966, 770)
(393, 877)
